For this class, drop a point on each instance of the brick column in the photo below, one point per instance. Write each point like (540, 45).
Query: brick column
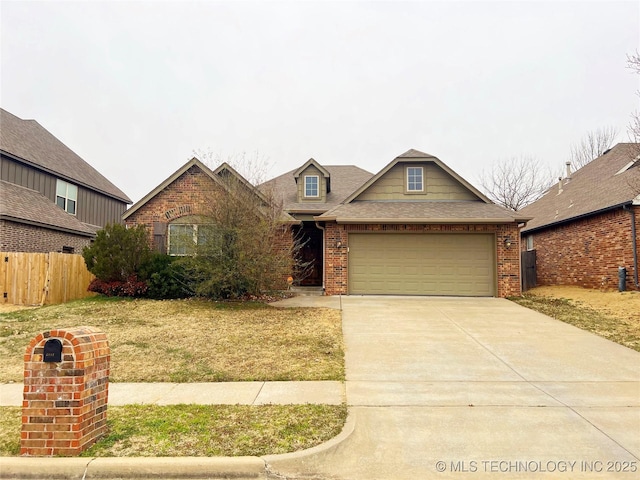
(64, 408)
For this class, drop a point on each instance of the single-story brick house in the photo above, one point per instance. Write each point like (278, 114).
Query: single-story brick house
(174, 209)
(586, 226)
(51, 199)
(416, 227)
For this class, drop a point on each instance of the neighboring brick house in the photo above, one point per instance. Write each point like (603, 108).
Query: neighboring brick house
(588, 225)
(414, 228)
(51, 199)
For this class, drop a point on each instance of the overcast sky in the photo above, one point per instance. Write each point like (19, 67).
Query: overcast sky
(135, 88)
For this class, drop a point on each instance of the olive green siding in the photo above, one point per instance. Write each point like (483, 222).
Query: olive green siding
(438, 185)
(322, 186)
(461, 264)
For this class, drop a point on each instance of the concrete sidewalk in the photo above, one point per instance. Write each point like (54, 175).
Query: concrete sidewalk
(225, 393)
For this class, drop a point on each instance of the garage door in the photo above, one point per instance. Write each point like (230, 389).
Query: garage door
(422, 264)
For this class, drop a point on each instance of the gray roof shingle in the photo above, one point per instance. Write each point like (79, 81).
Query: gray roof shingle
(29, 206)
(421, 212)
(345, 179)
(29, 141)
(598, 186)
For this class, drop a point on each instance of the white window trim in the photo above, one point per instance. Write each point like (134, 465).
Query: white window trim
(409, 190)
(529, 243)
(66, 196)
(317, 177)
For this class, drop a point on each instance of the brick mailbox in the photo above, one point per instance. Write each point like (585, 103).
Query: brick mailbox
(66, 386)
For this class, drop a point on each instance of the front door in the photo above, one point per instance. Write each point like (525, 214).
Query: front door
(310, 273)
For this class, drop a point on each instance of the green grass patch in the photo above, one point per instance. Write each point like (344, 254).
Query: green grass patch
(200, 430)
(619, 330)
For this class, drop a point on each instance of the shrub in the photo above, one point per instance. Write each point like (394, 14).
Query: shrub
(166, 277)
(132, 287)
(117, 253)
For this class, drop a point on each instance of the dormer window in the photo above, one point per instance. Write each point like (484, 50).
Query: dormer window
(415, 181)
(311, 186)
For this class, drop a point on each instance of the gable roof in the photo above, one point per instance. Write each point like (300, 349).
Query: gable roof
(610, 181)
(345, 179)
(168, 181)
(416, 156)
(23, 205)
(215, 175)
(30, 143)
(419, 211)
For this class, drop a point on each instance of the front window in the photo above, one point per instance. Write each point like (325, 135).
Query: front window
(182, 239)
(66, 196)
(186, 236)
(414, 179)
(311, 183)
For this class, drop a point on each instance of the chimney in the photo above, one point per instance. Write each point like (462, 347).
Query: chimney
(568, 164)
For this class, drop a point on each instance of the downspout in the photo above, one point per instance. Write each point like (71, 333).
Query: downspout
(634, 244)
(324, 269)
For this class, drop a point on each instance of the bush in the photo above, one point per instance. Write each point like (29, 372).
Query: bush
(131, 287)
(166, 278)
(117, 253)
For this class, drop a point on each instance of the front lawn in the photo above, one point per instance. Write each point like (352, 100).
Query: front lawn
(612, 315)
(200, 430)
(190, 340)
(194, 341)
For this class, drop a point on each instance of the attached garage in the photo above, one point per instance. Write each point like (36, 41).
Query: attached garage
(422, 264)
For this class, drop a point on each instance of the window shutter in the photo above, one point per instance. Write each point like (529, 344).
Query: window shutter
(160, 237)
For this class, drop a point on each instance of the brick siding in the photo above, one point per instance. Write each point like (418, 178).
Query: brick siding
(20, 237)
(189, 194)
(508, 259)
(64, 408)
(587, 252)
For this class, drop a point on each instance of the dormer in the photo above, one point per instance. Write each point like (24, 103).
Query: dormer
(313, 181)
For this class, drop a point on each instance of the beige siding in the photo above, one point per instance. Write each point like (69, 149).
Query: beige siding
(422, 264)
(322, 185)
(439, 185)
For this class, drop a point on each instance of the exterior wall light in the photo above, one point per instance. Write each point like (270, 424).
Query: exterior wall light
(338, 244)
(507, 242)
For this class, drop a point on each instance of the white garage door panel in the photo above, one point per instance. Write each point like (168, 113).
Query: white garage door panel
(422, 264)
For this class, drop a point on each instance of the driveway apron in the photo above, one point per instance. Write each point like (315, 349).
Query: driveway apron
(479, 388)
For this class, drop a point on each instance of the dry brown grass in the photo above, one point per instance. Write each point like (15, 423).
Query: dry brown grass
(612, 315)
(190, 340)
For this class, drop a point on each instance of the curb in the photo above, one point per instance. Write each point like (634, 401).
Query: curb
(164, 467)
(131, 468)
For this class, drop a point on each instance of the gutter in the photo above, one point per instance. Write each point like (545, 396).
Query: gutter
(634, 244)
(430, 220)
(577, 217)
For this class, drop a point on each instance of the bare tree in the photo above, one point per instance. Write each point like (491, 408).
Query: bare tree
(633, 63)
(245, 244)
(594, 144)
(516, 182)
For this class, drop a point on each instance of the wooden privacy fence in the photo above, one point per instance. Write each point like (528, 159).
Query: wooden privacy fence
(42, 278)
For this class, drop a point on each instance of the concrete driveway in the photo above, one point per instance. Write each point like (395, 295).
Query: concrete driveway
(478, 388)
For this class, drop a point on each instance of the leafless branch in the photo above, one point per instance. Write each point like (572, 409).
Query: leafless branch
(516, 182)
(594, 144)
